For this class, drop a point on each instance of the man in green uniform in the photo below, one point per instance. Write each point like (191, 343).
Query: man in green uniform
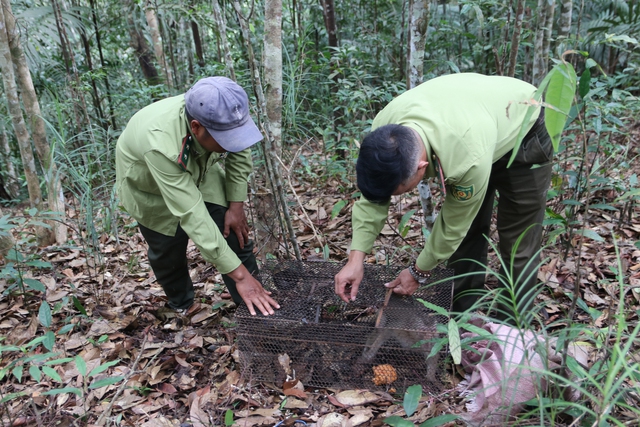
(169, 179)
(462, 128)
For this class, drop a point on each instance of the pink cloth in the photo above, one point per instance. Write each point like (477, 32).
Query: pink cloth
(505, 371)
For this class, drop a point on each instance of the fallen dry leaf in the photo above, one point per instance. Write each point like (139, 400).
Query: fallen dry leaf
(356, 397)
(161, 422)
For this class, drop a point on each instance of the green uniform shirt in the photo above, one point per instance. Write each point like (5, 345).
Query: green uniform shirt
(468, 121)
(160, 194)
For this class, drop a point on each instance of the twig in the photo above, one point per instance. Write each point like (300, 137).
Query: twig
(36, 413)
(387, 297)
(295, 194)
(132, 371)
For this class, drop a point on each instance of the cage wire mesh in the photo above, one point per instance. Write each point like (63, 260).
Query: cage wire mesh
(325, 342)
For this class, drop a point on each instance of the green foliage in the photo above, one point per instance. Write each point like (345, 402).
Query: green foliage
(20, 257)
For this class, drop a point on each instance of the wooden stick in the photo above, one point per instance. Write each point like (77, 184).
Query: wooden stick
(387, 297)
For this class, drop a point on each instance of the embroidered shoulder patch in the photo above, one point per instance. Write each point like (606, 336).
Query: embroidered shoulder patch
(183, 157)
(462, 192)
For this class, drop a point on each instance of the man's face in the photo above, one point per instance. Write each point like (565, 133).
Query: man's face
(205, 139)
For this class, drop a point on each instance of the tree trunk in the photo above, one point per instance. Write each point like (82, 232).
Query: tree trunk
(6, 241)
(548, 30)
(418, 22)
(166, 35)
(95, 97)
(329, 15)
(156, 37)
(96, 29)
(564, 24)
(17, 120)
(222, 30)
(197, 43)
(12, 186)
(140, 46)
(527, 57)
(34, 118)
(81, 112)
(273, 69)
(515, 39)
(538, 71)
(271, 160)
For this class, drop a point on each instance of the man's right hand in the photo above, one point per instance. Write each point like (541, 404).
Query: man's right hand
(348, 279)
(252, 292)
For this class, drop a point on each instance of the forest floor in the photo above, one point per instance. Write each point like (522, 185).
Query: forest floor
(145, 366)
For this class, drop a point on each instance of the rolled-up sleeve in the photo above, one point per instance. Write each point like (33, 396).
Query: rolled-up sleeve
(185, 201)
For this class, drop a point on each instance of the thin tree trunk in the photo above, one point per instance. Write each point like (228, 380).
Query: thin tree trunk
(418, 21)
(273, 69)
(188, 49)
(329, 15)
(222, 30)
(197, 41)
(273, 165)
(6, 241)
(96, 29)
(548, 30)
(17, 120)
(515, 39)
(80, 111)
(140, 46)
(528, 61)
(34, 118)
(166, 35)
(538, 52)
(95, 97)
(564, 24)
(12, 186)
(152, 21)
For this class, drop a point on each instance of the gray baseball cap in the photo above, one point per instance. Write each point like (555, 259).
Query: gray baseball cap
(222, 107)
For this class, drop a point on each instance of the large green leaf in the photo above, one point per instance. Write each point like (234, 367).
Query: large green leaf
(438, 421)
(103, 367)
(51, 373)
(411, 399)
(454, 342)
(73, 390)
(105, 382)
(81, 365)
(396, 421)
(559, 94)
(402, 226)
(44, 314)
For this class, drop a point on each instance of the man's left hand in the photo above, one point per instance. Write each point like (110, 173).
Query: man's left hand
(404, 284)
(236, 220)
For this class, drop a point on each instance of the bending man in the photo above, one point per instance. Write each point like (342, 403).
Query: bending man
(169, 179)
(465, 126)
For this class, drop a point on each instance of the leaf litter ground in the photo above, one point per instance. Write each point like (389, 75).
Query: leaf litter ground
(184, 370)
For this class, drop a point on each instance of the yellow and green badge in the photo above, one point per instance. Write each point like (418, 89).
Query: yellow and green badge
(462, 192)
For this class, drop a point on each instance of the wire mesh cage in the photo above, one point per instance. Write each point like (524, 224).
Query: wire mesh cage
(376, 342)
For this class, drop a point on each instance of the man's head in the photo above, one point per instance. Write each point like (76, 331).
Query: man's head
(221, 106)
(390, 163)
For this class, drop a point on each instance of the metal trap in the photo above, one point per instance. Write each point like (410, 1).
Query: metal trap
(325, 342)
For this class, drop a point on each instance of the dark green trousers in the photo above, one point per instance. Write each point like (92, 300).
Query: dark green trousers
(168, 259)
(522, 202)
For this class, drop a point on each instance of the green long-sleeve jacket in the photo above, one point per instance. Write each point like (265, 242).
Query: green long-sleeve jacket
(160, 193)
(468, 121)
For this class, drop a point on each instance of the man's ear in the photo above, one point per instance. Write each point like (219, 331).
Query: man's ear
(422, 165)
(195, 126)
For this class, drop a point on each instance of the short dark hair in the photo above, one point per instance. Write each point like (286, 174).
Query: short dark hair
(388, 157)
